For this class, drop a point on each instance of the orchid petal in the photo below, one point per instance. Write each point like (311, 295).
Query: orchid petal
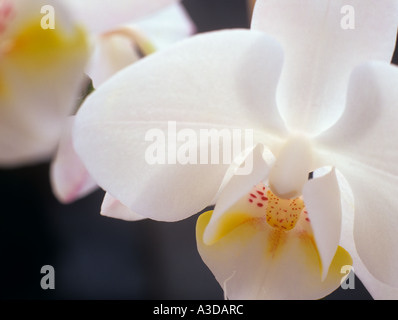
(363, 147)
(41, 71)
(256, 261)
(166, 26)
(124, 45)
(113, 208)
(376, 288)
(321, 52)
(236, 187)
(120, 47)
(101, 17)
(112, 52)
(69, 178)
(112, 127)
(322, 200)
(239, 89)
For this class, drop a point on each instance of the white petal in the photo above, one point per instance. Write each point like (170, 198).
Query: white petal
(113, 208)
(124, 45)
(322, 200)
(198, 84)
(362, 146)
(320, 53)
(347, 208)
(230, 87)
(237, 186)
(69, 178)
(41, 71)
(166, 26)
(107, 14)
(377, 289)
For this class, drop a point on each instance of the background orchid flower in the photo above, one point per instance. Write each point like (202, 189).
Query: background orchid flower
(114, 48)
(127, 42)
(302, 98)
(41, 71)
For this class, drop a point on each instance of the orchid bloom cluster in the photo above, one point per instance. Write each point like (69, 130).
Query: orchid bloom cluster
(46, 47)
(320, 100)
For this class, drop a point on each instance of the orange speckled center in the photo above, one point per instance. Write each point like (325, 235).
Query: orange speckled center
(283, 213)
(280, 213)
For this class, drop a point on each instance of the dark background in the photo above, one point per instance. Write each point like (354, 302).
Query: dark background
(95, 257)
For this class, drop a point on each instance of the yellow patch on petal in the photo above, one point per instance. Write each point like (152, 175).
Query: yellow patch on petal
(34, 47)
(203, 221)
(3, 87)
(37, 52)
(146, 47)
(275, 242)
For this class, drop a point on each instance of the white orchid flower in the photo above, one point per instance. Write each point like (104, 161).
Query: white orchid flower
(41, 71)
(147, 26)
(315, 94)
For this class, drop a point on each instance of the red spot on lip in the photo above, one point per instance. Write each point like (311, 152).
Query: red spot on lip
(259, 204)
(264, 198)
(260, 193)
(250, 200)
(307, 219)
(253, 195)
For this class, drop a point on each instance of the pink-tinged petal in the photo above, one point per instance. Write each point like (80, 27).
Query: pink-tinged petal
(256, 261)
(107, 14)
(321, 51)
(69, 178)
(255, 169)
(41, 72)
(322, 200)
(113, 208)
(198, 84)
(376, 288)
(363, 146)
